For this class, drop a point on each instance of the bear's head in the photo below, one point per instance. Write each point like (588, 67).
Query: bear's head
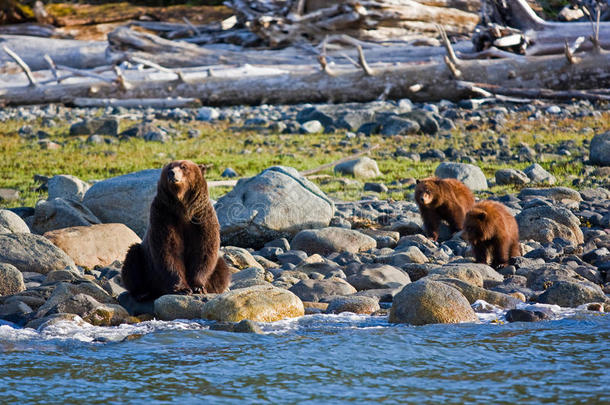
(427, 191)
(184, 180)
(476, 225)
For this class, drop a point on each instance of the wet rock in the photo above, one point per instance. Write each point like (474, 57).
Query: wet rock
(276, 203)
(378, 276)
(570, 294)
(545, 223)
(17, 312)
(59, 213)
(540, 278)
(258, 304)
(523, 315)
(426, 301)
(538, 175)
(91, 311)
(354, 304)
(316, 290)
(245, 326)
(134, 307)
(124, 199)
(64, 290)
(11, 280)
(170, 307)
(474, 293)
(328, 240)
(471, 175)
(239, 258)
(67, 187)
(599, 150)
(511, 176)
(32, 253)
(12, 223)
(95, 245)
(363, 167)
(44, 322)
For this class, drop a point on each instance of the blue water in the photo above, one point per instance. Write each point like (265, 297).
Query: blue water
(311, 360)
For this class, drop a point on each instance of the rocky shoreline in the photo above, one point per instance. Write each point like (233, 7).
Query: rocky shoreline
(295, 250)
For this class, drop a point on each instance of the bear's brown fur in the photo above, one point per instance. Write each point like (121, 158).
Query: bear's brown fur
(491, 229)
(179, 252)
(439, 199)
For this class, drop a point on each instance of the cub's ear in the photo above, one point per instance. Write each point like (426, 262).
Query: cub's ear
(417, 181)
(205, 167)
(481, 215)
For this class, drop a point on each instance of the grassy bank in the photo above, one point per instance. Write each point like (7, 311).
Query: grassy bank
(249, 152)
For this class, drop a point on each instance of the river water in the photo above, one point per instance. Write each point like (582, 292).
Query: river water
(311, 360)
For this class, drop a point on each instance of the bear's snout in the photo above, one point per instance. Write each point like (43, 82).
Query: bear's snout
(174, 175)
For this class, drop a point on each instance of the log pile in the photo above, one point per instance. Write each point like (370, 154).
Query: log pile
(284, 22)
(139, 68)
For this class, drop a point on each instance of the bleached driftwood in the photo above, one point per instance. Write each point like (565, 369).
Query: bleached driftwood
(138, 102)
(297, 84)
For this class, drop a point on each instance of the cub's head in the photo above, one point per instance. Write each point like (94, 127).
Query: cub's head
(184, 179)
(476, 225)
(426, 191)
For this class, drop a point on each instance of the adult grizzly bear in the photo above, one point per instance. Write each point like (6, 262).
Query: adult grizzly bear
(179, 252)
(439, 199)
(491, 229)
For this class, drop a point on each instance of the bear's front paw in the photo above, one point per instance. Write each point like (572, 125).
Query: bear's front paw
(183, 291)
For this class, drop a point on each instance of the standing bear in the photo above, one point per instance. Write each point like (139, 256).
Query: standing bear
(179, 252)
(442, 199)
(492, 231)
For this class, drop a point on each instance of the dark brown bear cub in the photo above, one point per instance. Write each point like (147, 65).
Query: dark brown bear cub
(179, 252)
(491, 229)
(439, 199)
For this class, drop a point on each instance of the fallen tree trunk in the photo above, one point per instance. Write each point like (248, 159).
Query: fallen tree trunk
(422, 82)
(73, 53)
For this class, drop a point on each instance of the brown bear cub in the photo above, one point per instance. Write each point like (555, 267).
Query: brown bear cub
(491, 229)
(439, 199)
(179, 252)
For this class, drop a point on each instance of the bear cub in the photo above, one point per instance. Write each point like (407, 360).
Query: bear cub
(179, 252)
(442, 199)
(492, 231)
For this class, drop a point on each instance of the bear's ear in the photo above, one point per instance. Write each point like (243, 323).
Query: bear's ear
(205, 167)
(481, 215)
(417, 181)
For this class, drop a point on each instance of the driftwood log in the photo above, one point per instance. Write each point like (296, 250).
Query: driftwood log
(288, 85)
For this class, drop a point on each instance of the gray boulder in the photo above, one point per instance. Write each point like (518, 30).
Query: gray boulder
(363, 167)
(12, 223)
(474, 293)
(328, 240)
(545, 223)
(33, 253)
(98, 126)
(570, 294)
(58, 213)
(427, 301)
(67, 186)
(600, 149)
(378, 276)
(559, 194)
(124, 199)
(316, 290)
(170, 307)
(277, 203)
(538, 175)
(472, 176)
(511, 176)
(11, 280)
(354, 304)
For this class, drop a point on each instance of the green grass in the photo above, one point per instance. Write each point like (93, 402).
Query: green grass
(249, 152)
